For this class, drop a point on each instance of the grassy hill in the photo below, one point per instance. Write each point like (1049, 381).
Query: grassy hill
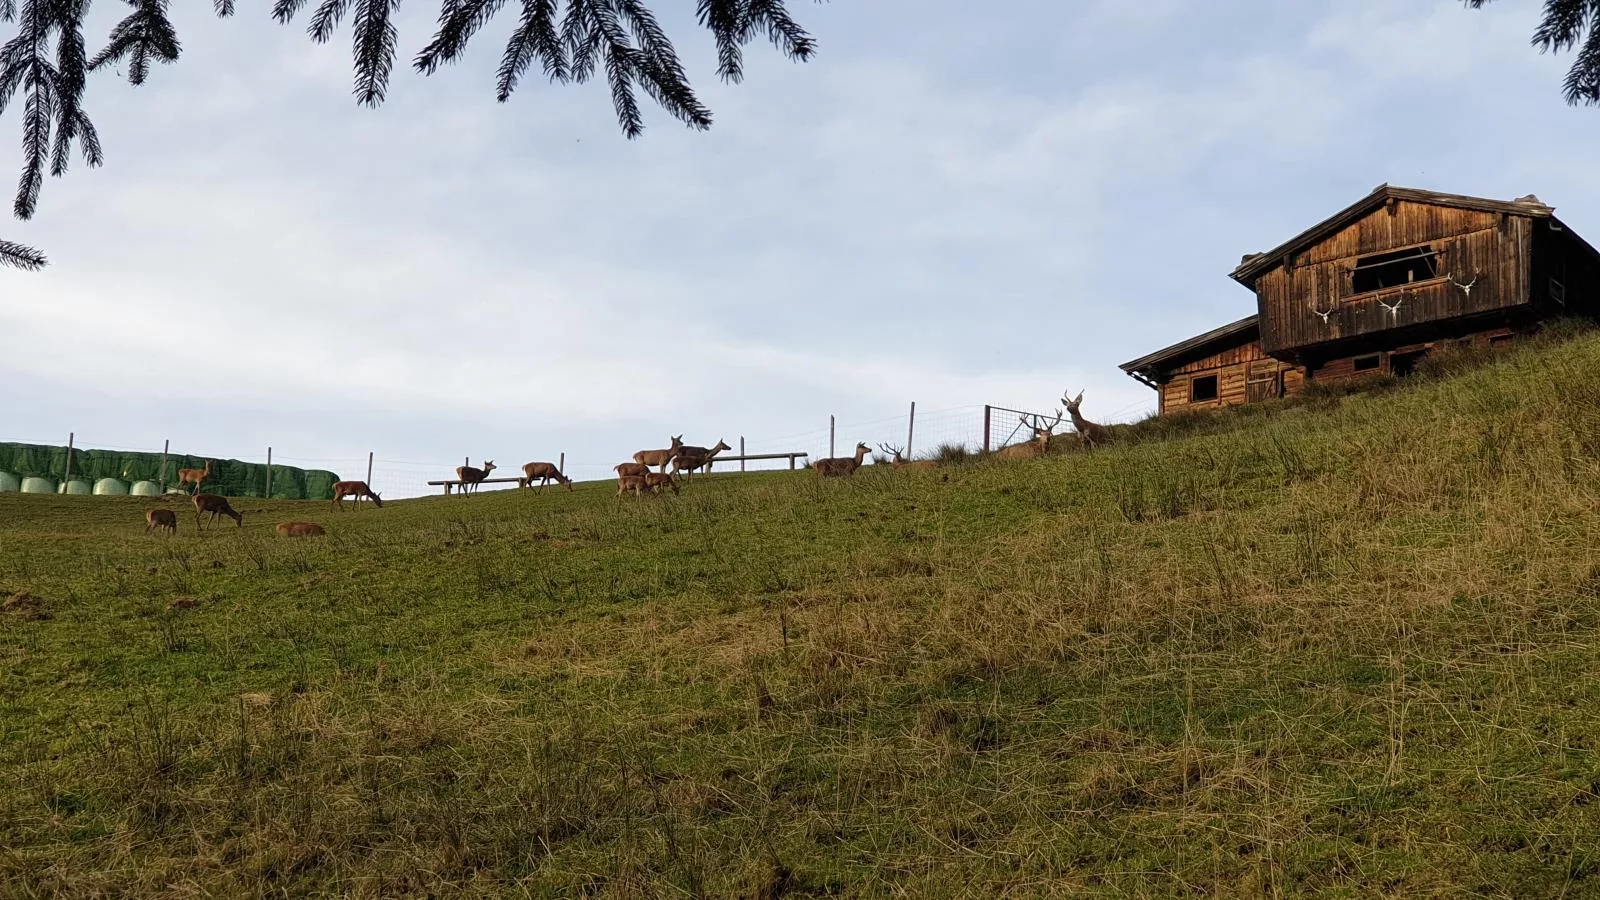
(1345, 649)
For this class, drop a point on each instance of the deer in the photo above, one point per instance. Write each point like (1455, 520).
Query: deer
(1090, 433)
(164, 519)
(470, 477)
(900, 462)
(658, 480)
(634, 483)
(195, 476)
(838, 466)
(659, 457)
(691, 458)
(544, 472)
(215, 505)
(356, 489)
(633, 468)
(1038, 445)
(300, 529)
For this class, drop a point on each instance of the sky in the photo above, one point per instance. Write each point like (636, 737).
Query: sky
(944, 206)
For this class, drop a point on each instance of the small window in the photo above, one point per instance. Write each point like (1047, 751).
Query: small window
(1558, 292)
(1386, 270)
(1203, 388)
(1368, 363)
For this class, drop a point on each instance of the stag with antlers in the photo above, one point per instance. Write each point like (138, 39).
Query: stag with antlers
(898, 461)
(1038, 445)
(1091, 434)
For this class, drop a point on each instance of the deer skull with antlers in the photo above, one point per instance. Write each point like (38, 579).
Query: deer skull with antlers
(1465, 288)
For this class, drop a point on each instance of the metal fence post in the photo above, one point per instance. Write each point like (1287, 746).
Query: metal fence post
(987, 409)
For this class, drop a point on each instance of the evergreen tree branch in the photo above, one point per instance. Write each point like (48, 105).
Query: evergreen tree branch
(535, 37)
(459, 21)
(145, 34)
(1563, 27)
(374, 38)
(18, 256)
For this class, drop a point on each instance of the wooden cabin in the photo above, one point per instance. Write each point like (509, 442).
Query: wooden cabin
(1375, 287)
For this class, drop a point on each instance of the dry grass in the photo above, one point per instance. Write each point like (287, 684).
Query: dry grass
(1343, 649)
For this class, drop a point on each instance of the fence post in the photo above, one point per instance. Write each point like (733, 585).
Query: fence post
(562, 465)
(830, 435)
(269, 474)
(68, 476)
(911, 428)
(741, 453)
(987, 409)
(165, 446)
(369, 468)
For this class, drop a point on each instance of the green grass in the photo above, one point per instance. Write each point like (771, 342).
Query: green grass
(1345, 648)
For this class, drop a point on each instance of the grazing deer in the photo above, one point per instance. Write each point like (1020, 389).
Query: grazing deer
(470, 477)
(216, 506)
(634, 483)
(1039, 445)
(195, 476)
(356, 489)
(300, 529)
(633, 468)
(900, 462)
(658, 480)
(842, 465)
(691, 458)
(164, 519)
(1091, 434)
(544, 472)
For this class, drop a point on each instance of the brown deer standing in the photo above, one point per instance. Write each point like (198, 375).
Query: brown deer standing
(470, 477)
(837, 466)
(659, 457)
(691, 458)
(544, 472)
(658, 480)
(1091, 434)
(164, 519)
(216, 506)
(1039, 446)
(633, 468)
(195, 476)
(300, 529)
(356, 489)
(900, 462)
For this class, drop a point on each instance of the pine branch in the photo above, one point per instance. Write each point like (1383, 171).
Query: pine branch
(722, 18)
(18, 256)
(224, 8)
(70, 79)
(8, 11)
(1562, 28)
(374, 38)
(459, 21)
(535, 37)
(145, 34)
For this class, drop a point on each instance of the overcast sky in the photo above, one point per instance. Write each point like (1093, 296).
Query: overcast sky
(945, 206)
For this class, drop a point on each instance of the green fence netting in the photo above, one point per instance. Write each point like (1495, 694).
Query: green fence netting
(229, 477)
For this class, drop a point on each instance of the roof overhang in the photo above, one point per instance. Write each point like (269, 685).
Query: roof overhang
(1254, 265)
(1148, 368)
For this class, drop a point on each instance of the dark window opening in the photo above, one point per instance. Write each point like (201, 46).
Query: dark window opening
(1203, 388)
(1403, 364)
(1386, 270)
(1368, 363)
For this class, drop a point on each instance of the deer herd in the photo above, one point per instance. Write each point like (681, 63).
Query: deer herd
(646, 474)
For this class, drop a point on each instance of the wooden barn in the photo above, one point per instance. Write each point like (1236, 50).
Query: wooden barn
(1376, 286)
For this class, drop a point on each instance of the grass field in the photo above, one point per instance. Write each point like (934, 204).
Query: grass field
(1346, 649)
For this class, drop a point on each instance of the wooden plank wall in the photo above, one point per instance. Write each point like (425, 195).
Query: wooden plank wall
(1232, 368)
(1344, 367)
(1495, 246)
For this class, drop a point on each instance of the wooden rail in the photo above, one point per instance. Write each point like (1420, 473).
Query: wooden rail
(720, 458)
(519, 481)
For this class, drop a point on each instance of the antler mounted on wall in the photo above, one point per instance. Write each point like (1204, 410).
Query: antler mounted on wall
(1465, 288)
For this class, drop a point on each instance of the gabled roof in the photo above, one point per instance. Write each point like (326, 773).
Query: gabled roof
(1215, 340)
(1253, 265)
